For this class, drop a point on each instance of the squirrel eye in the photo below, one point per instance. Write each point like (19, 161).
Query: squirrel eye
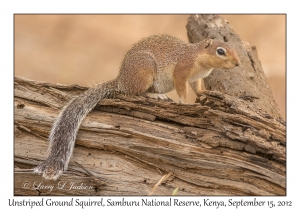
(220, 51)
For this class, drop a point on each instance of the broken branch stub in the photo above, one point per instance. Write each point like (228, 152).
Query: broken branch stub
(247, 81)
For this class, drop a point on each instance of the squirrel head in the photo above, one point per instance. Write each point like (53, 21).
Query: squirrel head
(218, 55)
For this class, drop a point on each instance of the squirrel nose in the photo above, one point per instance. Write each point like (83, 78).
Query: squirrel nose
(238, 63)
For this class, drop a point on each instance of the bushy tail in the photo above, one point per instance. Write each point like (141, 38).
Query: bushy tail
(63, 133)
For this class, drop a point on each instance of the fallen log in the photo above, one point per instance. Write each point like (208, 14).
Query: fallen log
(219, 146)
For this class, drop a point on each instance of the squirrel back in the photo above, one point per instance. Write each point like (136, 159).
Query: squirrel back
(153, 66)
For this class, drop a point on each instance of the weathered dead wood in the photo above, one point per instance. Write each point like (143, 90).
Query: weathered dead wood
(219, 146)
(248, 81)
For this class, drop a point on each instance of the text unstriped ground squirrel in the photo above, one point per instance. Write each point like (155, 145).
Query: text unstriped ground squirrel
(152, 67)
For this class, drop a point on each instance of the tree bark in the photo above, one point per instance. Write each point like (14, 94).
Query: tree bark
(221, 146)
(224, 144)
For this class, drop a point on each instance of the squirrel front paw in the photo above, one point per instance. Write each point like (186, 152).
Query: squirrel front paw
(50, 170)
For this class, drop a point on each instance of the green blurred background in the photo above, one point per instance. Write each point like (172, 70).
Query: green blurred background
(86, 49)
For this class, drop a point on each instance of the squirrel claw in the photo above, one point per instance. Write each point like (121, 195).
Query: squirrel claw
(158, 96)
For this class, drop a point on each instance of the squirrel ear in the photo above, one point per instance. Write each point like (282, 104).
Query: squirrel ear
(208, 43)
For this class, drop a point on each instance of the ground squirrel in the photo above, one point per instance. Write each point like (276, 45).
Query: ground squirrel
(153, 66)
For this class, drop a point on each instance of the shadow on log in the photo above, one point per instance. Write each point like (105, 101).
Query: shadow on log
(221, 145)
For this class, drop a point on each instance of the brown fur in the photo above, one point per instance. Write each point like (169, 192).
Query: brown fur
(155, 65)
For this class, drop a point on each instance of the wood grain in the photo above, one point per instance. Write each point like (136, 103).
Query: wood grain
(219, 146)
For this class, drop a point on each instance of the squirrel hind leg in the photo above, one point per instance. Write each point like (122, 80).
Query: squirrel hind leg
(136, 75)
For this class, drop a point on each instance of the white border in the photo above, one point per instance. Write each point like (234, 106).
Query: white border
(8, 8)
